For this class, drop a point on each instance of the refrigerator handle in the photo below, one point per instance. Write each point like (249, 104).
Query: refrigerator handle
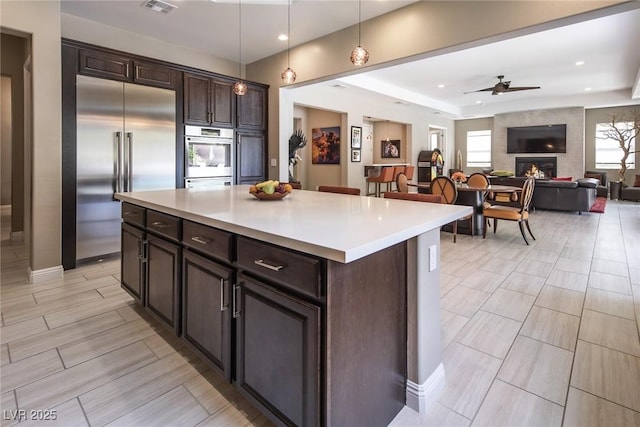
(128, 178)
(117, 164)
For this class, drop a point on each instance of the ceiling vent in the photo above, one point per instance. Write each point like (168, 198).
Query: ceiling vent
(158, 6)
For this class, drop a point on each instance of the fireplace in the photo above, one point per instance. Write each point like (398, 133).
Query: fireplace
(540, 167)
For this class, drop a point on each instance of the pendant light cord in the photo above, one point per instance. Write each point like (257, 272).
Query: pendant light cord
(359, 19)
(240, 39)
(288, 33)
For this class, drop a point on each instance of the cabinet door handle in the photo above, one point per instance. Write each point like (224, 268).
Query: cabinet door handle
(140, 254)
(236, 309)
(263, 263)
(201, 240)
(145, 250)
(223, 306)
(159, 224)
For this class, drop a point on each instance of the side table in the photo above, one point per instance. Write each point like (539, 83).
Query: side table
(614, 189)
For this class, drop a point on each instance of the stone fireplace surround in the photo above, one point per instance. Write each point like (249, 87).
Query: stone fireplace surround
(570, 163)
(547, 167)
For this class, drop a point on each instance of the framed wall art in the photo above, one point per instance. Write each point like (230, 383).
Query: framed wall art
(356, 137)
(325, 146)
(391, 149)
(355, 155)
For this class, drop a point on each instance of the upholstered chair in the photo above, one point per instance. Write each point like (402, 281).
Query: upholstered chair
(339, 190)
(508, 213)
(444, 186)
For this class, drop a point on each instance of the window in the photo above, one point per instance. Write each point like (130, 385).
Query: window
(478, 148)
(608, 151)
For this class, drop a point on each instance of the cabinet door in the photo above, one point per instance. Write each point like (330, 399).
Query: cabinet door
(252, 108)
(250, 157)
(278, 352)
(222, 102)
(132, 261)
(206, 316)
(105, 65)
(153, 75)
(163, 277)
(196, 99)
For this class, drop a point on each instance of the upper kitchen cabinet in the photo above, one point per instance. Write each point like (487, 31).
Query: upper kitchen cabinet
(105, 65)
(252, 108)
(154, 75)
(208, 101)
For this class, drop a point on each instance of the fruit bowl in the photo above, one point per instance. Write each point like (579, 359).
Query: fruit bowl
(274, 196)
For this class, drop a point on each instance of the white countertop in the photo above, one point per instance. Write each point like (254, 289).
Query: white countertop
(334, 226)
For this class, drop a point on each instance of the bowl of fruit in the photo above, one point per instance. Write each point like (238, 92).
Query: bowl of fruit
(270, 190)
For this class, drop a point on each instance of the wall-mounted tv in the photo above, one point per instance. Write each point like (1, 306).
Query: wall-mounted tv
(537, 139)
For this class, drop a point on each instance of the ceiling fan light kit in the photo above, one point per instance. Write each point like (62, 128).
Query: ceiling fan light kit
(359, 55)
(503, 87)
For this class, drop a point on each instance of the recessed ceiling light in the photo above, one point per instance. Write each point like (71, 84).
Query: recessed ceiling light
(579, 63)
(339, 86)
(283, 37)
(587, 89)
(440, 85)
(479, 102)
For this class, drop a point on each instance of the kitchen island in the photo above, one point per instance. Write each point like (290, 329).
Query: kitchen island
(332, 300)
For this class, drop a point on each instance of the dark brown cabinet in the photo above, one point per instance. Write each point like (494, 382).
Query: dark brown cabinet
(252, 108)
(206, 315)
(278, 352)
(208, 101)
(163, 280)
(132, 261)
(105, 65)
(153, 75)
(251, 158)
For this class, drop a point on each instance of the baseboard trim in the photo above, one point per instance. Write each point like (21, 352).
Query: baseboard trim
(44, 274)
(420, 397)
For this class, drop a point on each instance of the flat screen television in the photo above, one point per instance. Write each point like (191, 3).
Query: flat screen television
(537, 139)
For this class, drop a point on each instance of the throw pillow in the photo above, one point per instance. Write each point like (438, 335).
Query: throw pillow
(563, 178)
(502, 173)
(594, 176)
(637, 181)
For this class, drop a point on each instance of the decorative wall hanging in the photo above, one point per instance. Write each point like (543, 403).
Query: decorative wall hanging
(391, 149)
(325, 146)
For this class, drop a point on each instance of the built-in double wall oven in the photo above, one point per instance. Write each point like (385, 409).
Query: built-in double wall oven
(209, 156)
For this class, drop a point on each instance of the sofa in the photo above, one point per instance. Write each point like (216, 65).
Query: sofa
(578, 195)
(601, 190)
(631, 193)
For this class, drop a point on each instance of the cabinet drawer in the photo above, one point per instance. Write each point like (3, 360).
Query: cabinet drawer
(287, 268)
(133, 214)
(163, 224)
(208, 240)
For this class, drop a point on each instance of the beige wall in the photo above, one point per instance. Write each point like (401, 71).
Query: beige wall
(464, 126)
(421, 29)
(324, 174)
(394, 131)
(603, 115)
(13, 53)
(41, 20)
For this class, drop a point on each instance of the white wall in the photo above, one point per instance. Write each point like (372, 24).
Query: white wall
(354, 104)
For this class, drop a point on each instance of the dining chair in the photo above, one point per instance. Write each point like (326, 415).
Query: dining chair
(402, 183)
(409, 171)
(480, 180)
(385, 177)
(509, 213)
(339, 190)
(397, 170)
(417, 197)
(445, 187)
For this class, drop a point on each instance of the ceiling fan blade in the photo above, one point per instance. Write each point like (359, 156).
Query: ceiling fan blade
(514, 89)
(488, 89)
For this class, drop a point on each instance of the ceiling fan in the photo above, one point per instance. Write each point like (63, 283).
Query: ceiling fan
(502, 87)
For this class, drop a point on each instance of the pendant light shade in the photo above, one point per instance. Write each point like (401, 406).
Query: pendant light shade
(240, 87)
(288, 75)
(359, 55)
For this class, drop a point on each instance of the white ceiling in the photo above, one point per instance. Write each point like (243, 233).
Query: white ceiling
(607, 45)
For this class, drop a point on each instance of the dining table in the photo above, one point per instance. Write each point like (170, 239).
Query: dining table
(474, 197)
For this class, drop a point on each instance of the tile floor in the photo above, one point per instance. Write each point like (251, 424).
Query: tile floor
(544, 335)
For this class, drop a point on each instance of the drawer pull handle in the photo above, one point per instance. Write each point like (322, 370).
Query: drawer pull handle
(159, 224)
(264, 264)
(223, 306)
(236, 309)
(201, 240)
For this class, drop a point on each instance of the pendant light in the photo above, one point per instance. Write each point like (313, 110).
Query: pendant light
(240, 87)
(359, 55)
(288, 75)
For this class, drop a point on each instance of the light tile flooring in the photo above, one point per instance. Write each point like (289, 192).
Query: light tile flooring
(544, 335)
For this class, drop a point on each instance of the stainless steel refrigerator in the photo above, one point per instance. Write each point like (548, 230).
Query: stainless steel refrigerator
(126, 141)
